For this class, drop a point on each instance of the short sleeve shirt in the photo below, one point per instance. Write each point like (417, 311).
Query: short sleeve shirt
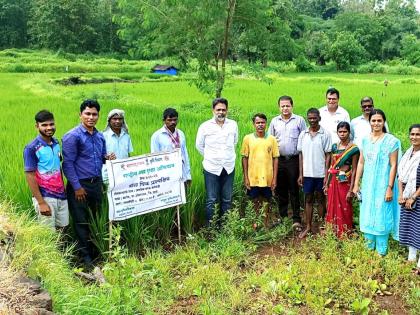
(44, 159)
(260, 153)
(119, 144)
(313, 149)
(330, 121)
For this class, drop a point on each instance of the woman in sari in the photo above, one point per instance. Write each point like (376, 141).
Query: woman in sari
(379, 210)
(340, 181)
(409, 187)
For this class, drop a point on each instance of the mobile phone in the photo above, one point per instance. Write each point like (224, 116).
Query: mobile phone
(359, 196)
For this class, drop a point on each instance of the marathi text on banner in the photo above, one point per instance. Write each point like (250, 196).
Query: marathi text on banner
(144, 184)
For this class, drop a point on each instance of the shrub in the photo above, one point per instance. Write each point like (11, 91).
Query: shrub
(303, 64)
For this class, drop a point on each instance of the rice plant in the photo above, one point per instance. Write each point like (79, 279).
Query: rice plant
(23, 94)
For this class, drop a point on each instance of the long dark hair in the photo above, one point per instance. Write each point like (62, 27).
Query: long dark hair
(377, 111)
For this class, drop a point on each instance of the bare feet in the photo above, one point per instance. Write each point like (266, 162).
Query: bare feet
(416, 271)
(305, 232)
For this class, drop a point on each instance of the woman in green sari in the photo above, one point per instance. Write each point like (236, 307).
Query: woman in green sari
(340, 181)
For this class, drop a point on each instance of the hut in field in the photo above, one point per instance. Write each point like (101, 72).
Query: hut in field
(165, 69)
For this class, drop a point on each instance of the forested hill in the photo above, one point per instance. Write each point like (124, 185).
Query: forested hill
(348, 32)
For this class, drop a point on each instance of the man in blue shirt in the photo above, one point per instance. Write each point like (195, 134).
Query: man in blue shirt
(42, 160)
(84, 153)
(168, 138)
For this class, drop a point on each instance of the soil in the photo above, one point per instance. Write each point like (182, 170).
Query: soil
(184, 306)
(392, 303)
(18, 293)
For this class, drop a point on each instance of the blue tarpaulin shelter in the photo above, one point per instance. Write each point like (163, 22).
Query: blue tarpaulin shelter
(165, 69)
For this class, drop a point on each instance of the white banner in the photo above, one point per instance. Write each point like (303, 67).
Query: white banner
(144, 184)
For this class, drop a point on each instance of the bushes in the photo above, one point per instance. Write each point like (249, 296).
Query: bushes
(371, 67)
(303, 64)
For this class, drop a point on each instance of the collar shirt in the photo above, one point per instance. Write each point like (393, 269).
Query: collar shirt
(330, 121)
(361, 129)
(313, 149)
(287, 133)
(161, 141)
(119, 144)
(217, 145)
(44, 159)
(84, 155)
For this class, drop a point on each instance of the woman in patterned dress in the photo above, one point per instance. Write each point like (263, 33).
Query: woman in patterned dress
(409, 187)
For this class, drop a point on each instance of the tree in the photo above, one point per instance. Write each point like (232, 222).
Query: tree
(266, 35)
(317, 45)
(411, 49)
(201, 30)
(399, 18)
(105, 26)
(13, 20)
(346, 51)
(63, 24)
(367, 29)
(325, 9)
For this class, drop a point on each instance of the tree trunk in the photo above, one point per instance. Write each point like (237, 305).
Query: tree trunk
(221, 74)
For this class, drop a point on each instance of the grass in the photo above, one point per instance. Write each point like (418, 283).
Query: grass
(223, 276)
(227, 275)
(25, 94)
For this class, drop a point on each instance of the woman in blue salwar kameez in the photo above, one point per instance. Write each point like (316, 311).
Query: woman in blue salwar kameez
(379, 210)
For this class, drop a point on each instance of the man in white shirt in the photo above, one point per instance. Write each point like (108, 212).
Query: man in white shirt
(332, 113)
(169, 138)
(216, 141)
(360, 125)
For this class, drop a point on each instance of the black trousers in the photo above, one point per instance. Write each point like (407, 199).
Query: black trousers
(287, 176)
(81, 214)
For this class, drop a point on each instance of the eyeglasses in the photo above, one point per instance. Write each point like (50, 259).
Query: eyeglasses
(367, 106)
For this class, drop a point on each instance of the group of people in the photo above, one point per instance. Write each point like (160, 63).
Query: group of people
(333, 157)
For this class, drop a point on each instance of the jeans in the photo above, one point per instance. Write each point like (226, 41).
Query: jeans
(81, 216)
(219, 189)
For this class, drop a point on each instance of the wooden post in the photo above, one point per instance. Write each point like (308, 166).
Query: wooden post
(178, 223)
(109, 238)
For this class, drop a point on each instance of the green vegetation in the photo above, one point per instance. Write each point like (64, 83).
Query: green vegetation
(226, 275)
(144, 101)
(204, 35)
(212, 273)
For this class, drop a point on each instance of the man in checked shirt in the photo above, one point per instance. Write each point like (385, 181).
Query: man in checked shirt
(286, 128)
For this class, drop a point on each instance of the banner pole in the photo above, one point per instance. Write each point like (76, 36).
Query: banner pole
(109, 238)
(178, 223)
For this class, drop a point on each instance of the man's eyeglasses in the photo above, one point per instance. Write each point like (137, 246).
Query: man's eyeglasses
(367, 106)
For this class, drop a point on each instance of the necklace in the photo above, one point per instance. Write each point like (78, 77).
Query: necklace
(343, 144)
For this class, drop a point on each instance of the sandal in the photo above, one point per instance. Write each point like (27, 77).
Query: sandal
(297, 227)
(416, 271)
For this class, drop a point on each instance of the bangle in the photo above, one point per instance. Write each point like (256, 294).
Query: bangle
(390, 186)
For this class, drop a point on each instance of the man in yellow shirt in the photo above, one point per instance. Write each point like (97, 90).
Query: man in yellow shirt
(260, 154)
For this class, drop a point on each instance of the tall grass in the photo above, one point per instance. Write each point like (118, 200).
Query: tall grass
(25, 94)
